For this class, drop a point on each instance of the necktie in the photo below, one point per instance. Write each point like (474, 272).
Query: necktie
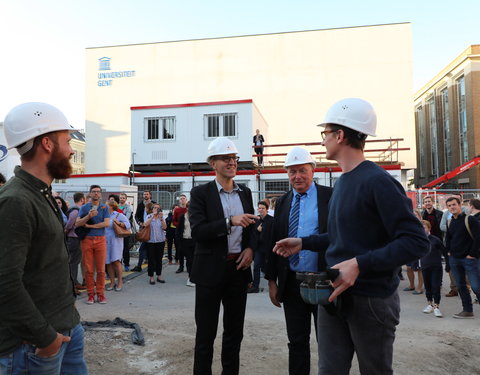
(293, 227)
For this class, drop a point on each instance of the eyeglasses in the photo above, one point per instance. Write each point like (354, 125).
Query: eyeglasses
(227, 158)
(325, 132)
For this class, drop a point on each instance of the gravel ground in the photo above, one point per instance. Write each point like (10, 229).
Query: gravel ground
(424, 344)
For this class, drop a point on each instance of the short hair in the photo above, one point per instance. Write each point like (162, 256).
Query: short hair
(355, 139)
(149, 207)
(115, 197)
(124, 194)
(428, 197)
(453, 199)
(427, 224)
(77, 197)
(475, 203)
(94, 187)
(182, 195)
(263, 203)
(2, 179)
(113, 204)
(148, 191)
(30, 154)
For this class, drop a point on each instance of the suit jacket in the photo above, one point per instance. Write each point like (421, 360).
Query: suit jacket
(263, 240)
(277, 267)
(209, 231)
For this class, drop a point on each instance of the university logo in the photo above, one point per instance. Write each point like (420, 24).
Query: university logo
(3, 152)
(104, 63)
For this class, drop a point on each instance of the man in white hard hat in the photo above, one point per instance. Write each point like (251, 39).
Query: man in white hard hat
(221, 218)
(39, 325)
(300, 212)
(371, 232)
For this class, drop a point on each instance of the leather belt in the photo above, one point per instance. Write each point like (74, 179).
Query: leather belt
(233, 256)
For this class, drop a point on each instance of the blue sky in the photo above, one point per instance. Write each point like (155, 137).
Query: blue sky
(43, 43)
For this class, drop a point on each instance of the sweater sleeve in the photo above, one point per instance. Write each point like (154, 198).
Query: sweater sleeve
(407, 240)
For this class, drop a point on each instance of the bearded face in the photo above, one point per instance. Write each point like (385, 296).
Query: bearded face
(59, 166)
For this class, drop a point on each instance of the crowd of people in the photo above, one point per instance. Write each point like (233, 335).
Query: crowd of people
(359, 234)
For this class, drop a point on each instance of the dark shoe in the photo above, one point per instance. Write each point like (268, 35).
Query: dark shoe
(152, 282)
(464, 315)
(180, 270)
(253, 290)
(137, 269)
(161, 281)
(418, 292)
(452, 293)
(408, 289)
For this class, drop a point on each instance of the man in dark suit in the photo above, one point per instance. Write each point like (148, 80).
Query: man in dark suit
(262, 234)
(221, 218)
(301, 210)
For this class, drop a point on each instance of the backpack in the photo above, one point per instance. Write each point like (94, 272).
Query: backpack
(467, 225)
(81, 232)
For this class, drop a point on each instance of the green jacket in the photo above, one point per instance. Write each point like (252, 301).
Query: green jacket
(37, 297)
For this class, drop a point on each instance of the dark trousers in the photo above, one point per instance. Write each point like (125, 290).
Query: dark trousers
(259, 152)
(170, 240)
(155, 256)
(365, 326)
(232, 294)
(126, 251)
(142, 253)
(74, 256)
(188, 246)
(432, 279)
(258, 265)
(298, 317)
(179, 254)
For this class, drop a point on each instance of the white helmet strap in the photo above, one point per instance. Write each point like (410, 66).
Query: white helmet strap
(25, 147)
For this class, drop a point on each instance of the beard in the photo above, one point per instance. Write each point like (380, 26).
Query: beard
(59, 166)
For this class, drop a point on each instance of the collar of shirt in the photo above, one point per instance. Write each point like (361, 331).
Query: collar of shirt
(32, 180)
(220, 188)
(311, 190)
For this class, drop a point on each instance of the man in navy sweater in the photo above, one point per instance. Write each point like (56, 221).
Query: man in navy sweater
(371, 232)
(462, 245)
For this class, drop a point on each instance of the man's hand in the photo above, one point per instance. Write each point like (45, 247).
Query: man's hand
(288, 246)
(92, 213)
(245, 259)
(53, 348)
(244, 220)
(348, 275)
(273, 292)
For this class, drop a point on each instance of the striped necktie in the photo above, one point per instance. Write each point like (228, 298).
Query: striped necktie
(293, 227)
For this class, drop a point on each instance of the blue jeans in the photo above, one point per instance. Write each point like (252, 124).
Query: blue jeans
(68, 361)
(469, 267)
(258, 264)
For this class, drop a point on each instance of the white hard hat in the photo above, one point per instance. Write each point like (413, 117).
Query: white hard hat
(221, 146)
(29, 120)
(298, 156)
(353, 113)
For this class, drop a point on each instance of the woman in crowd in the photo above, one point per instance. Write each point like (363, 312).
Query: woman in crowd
(115, 247)
(432, 272)
(63, 208)
(156, 243)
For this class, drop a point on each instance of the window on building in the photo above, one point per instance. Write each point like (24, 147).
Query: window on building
(160, 128)
(462, 119)
(433, 135)
(82, 157)
(421, 140)
(446, 130)
(276, 186)
(221, 125)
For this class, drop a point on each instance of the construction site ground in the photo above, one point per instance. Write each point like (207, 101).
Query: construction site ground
(165, 312)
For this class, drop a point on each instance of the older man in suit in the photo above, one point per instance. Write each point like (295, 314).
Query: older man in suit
(221, 218)
(301, 210)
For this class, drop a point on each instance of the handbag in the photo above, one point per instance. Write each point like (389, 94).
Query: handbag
(121, 231)
(143, 235)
